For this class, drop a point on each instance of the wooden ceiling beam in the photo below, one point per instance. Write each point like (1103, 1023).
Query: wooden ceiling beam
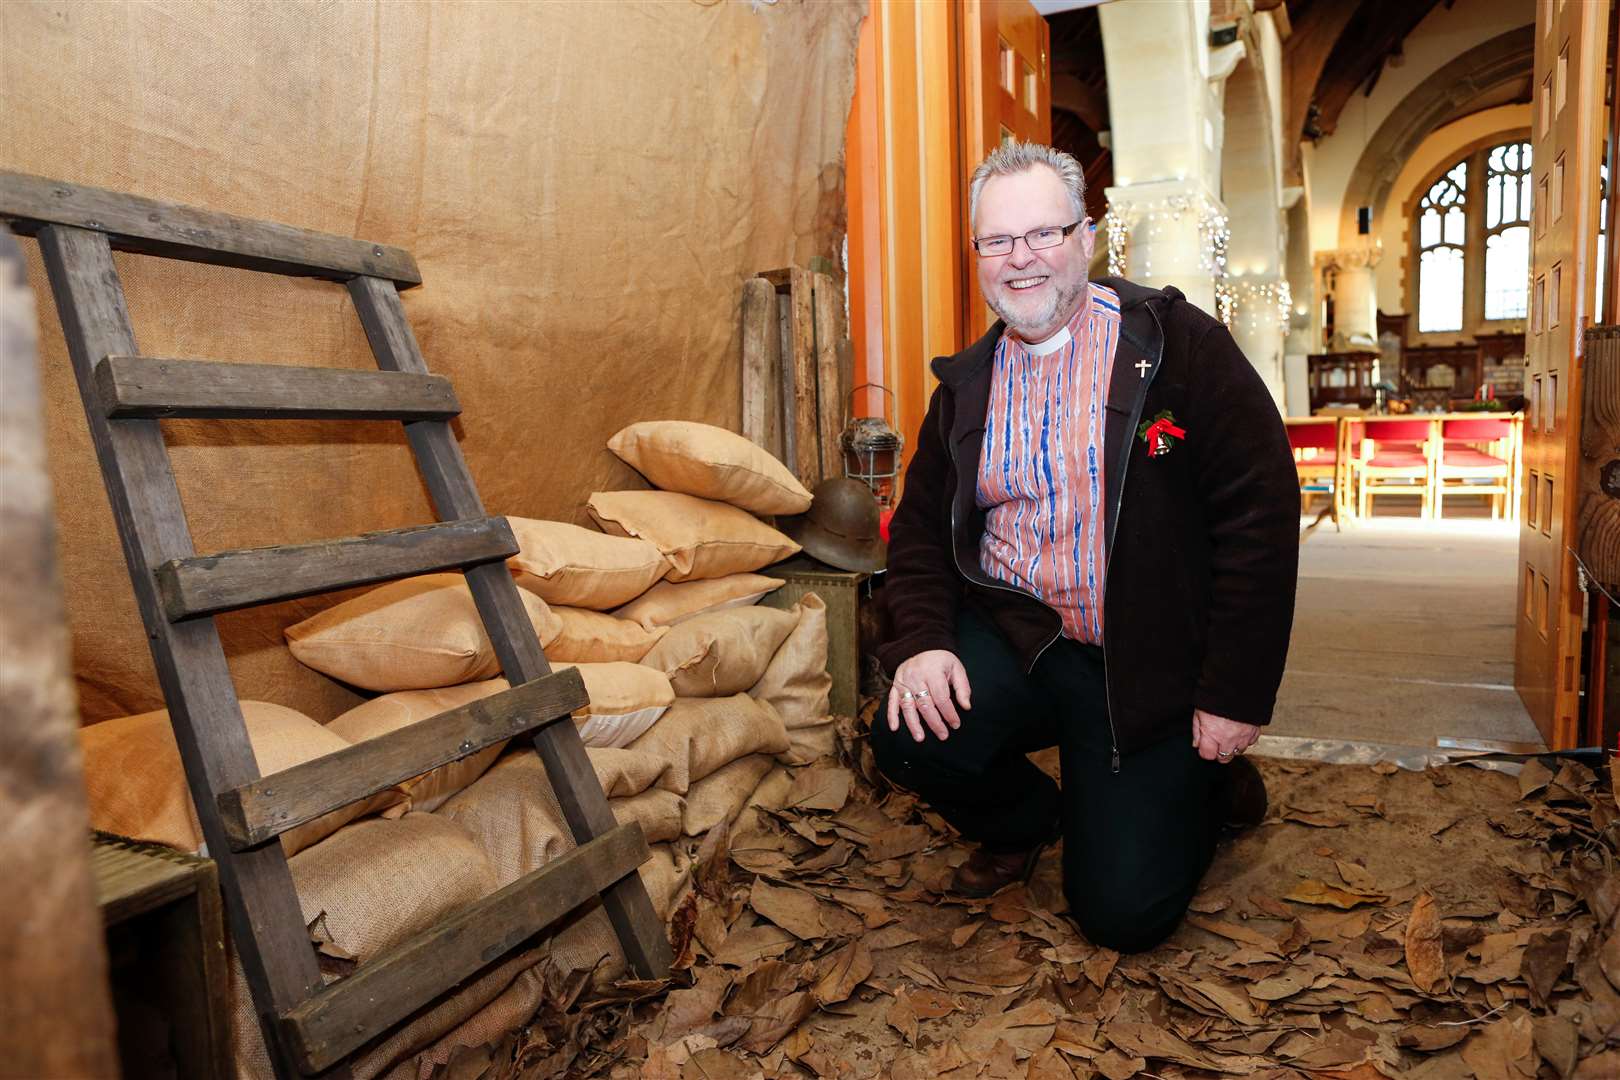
(1359, 54)
(1305, 54)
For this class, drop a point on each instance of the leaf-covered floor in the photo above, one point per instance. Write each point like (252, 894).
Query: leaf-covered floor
(1455, 922)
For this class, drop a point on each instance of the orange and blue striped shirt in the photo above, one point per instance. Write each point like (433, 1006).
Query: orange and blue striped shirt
(1041, 468)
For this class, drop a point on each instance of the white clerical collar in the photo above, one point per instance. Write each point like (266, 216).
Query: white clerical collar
(1051, 344)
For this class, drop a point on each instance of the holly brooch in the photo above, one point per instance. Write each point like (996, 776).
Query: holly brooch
(1158, 432)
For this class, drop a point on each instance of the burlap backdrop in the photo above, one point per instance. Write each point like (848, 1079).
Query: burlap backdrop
(584, 185)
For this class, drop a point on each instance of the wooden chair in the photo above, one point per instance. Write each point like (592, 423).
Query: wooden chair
(1393, 457)
(1464, 468)
(1315, 442)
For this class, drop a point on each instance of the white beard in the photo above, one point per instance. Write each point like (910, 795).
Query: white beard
(1028, 323)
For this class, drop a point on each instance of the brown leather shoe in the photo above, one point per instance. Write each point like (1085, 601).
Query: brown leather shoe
(1242, 794)
(986, 872)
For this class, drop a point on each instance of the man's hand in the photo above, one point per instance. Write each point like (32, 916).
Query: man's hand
(921, 694)
(1220, 739)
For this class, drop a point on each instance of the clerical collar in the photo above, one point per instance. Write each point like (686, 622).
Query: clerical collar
(1064, 335)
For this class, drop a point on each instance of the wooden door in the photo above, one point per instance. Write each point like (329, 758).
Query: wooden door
(1567, 137)
(1006, 74)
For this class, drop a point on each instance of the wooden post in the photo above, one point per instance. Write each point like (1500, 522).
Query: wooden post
(831, 389)
(53, 987)
(762, 367)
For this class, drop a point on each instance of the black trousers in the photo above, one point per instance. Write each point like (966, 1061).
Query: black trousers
(1135, 842)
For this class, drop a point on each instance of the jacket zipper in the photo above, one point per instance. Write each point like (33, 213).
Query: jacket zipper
(1119, 498)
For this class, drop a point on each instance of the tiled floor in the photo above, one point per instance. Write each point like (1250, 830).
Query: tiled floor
(1404, 633)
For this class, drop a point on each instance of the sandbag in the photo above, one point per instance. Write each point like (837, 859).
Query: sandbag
(796, 684)
(510, 1010)
(668, 603)
(721, 795)
(414, 634)
(721, 653)
(367, 888)
(136, 782)
(626, 700)
(390, 712)
(699, 735)
(586, 636)
(710, 463)
(701, 538)
(578, 567)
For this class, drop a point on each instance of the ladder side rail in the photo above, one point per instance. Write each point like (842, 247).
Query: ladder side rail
(263, 906)
(450, 484)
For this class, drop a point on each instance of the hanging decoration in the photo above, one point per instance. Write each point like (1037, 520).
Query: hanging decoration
(1214, 234)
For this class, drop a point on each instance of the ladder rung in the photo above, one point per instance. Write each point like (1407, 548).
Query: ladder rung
(352, 1011)
(271, 805)
(227, 580)
(151, 387)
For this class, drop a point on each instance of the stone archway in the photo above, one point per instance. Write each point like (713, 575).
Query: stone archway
(1433, 102)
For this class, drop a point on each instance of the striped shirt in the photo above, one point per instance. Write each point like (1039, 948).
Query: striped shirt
(1041, 469)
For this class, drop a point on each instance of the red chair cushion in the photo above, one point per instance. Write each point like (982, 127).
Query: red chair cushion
(1472, 459)
(1397, 461)
(1324, 457)
(1476, 430)
(1301, 436)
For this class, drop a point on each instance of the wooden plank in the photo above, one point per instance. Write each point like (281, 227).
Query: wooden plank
(228, 580)
(153, 227)
(261, 905)
(266, 808)
(136, 386)
(450, 485)
(801, 443)
(828, 310)
(131, 882)
(762, 367)
(391, 986)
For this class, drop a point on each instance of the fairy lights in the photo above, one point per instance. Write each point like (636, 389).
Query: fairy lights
(1214, 235)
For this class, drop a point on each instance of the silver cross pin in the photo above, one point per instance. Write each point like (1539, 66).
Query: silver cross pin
(1142, 367)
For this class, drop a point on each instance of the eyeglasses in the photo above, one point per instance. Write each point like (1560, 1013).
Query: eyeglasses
(1049, 236)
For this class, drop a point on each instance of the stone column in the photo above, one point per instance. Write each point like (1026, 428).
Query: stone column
(1355, 297)
(1171, 232)
(1261, 305)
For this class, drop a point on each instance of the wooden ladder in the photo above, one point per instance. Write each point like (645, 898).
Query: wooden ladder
(311, 1028)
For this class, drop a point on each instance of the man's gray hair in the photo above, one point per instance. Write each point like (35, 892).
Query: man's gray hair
(1012, 158)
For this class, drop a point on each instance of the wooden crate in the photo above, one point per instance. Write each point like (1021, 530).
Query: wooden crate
(166, 959)
(840, 591)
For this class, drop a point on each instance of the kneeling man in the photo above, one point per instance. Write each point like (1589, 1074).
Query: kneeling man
(1096, 549)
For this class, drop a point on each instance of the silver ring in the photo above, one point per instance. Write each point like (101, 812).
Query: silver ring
(1224, 755)
(922, 693)
(907, 696)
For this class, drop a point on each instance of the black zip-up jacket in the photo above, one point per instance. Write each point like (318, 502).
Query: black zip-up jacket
(1202, 542)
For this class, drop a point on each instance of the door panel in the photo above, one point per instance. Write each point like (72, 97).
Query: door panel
(1567, 149)
(1006, 94)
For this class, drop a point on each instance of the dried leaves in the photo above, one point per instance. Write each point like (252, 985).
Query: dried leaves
(822, 942)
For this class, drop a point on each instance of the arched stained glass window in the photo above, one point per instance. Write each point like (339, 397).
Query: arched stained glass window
(1442, 234)
(1507, 231)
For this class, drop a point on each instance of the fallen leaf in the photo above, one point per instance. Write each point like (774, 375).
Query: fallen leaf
(687, 1010)
(1429, 1039)
(1234, 932)
(962, 934)
(744, 948)
(1425, 949)
(1503, 1050)
(897, 841)
(820, 788)
(920, 973)
(1557, 1041)
(711, 871)
(1209, 903)
(843, 972)
(1313, 818)
(1386, 768)
(1118, 1066)
(832, 857)
(1100, 965)
(1356, 876)
(795, 911)
(1312, 891)
(872, 909)
(1545, 959)
(903, 1019)
(1026, 1028)
(717, 1064)
(929, 1004)
(1049, 1065)
(775, 1019)
(891, 937)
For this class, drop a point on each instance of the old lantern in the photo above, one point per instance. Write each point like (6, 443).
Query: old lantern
(872, 451)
